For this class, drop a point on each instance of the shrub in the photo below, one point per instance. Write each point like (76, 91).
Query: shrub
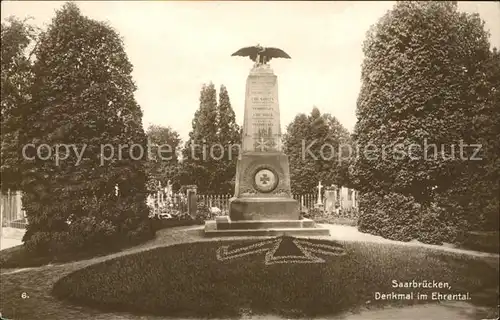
(350, 212)
(398, 217)
(179, 221)
(108, 224)
(202, 213)
(315, 213)
(344, 212)
(483, 241)
(40, 243)
(304, 215)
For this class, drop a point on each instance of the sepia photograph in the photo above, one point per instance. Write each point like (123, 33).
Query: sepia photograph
(265, 160)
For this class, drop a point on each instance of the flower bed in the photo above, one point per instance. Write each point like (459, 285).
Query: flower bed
(188, 280)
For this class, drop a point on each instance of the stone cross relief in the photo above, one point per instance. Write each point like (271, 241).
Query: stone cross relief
(262, 144)
(264, 179)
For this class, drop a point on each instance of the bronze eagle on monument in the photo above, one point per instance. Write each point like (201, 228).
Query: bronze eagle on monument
(261, 55)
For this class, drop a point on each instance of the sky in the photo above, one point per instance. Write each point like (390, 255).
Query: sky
(176, 47)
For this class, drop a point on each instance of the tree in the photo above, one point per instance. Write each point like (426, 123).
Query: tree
(423, 69)
(198, 167)
(83, 109)
(229, 137)
(302, 173)
(210, 154)
(424, 86)
(475, 189)
(163, 159)
(312, 144)
(17, 38)
(486, 186)
(342, 142)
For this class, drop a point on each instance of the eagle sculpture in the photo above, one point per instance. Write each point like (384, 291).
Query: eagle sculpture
(261, 55)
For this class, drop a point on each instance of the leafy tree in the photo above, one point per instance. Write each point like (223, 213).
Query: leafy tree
(312, 144)
(342, 141)
(163, 159)
(302, 174)
(17, 39)
(83, 98)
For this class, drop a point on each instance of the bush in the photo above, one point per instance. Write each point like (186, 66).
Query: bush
(41, 243)
(345, 217)
(183, 219)
(398, 217)
(103, 225)
(202, 213)
(337, 220)
(483, 241)
(315, 213)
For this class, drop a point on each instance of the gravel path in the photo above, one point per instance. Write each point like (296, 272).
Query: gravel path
(37, 283)
(348, 233)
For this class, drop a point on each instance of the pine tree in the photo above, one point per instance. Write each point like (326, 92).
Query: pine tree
(83, 97)
(229, 138)
(198, 167)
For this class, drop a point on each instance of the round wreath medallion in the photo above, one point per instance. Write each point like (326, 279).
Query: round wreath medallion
(265, 180)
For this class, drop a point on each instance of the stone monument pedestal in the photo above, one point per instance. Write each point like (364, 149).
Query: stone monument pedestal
(256, 209)
(262, 190)
(225, 227)
(262, 204)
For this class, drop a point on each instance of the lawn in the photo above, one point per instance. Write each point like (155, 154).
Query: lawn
(19, 257)
(188, 280)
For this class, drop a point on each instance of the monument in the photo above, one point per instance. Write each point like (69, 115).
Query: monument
(262, 202)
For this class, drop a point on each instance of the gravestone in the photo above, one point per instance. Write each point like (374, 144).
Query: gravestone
(192, 200)
(262, 202)
(168, 189)
(330, 198)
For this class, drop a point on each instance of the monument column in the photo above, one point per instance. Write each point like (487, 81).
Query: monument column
(262, 189)
(261, 123)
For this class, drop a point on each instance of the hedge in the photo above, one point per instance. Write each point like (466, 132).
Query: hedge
(398, 217)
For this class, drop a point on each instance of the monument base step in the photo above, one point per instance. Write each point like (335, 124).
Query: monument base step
(224, 227)
(226, 223)
(264, 208)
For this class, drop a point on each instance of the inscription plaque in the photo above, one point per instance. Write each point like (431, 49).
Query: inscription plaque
(262, 130)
